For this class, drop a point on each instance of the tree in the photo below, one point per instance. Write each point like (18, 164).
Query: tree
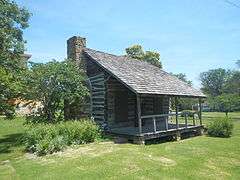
(183, 77)
(153, 58)
(13, 20)
(223, 87)
(227, 103)
(137, 52)
(213, 81)
(9, 88)
(52, 84)
(232, 84)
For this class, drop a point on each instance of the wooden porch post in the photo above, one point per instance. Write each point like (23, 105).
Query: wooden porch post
(186, 124)
(166, 121)
(194, 123)
(176, 106)
(139, 114)
(200, 110)
(154, 125)
(166, 118)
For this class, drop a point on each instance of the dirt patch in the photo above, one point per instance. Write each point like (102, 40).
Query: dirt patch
(131, 167)
(162, 160)
(7, 164)
(74, 151)
(228, 161)
(214, 171)
(89, 150)
(44, 160)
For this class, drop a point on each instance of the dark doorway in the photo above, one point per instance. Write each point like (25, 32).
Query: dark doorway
(121, 106)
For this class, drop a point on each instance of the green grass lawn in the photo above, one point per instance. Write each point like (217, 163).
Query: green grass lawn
(194, 158)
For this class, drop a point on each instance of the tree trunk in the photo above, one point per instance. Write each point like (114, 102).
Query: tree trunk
(226, 112)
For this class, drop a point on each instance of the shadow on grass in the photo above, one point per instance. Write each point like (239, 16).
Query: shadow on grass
(186, 135)
(160, 140)
(9, 142)
(211, 117)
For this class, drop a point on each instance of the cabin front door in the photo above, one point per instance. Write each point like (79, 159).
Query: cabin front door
(121, 106)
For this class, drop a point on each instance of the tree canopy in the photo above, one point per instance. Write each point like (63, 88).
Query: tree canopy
(13, 20)
(183, 77)
(225, 103)
(213, 81)
(223, 89)
(137, 52)
(232, 84)
(52, 84)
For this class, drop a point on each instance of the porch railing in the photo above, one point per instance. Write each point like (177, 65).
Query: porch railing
(154, 119)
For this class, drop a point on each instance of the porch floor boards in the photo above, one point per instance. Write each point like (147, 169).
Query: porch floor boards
(148, 131)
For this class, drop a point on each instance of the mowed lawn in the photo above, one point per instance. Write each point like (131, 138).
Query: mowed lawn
(194, 158)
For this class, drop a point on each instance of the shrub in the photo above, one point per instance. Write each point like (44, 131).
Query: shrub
(221, 127)
(48, 138)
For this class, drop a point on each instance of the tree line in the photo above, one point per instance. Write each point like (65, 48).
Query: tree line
(223, 88)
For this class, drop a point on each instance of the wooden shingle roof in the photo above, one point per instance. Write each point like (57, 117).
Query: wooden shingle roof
(142, 77)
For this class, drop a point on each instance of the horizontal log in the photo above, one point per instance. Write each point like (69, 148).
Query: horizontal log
(98, 116)
(160, 115)
(98, 93)
(98, 110)
(95, 89)
(116, 90)
(98, 99)
(98, 106)
(101, 79)
(97, 84)
(96, 76)
(98, 102)
(97, 96)
(116, 86)
(99, 121)
(97, 113)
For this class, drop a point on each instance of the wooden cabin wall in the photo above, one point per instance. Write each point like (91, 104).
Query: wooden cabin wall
(97, 78)
(98, 97)
(154, 105)
(165, 105)
(121, 104)
(110, 98)
(92, 69)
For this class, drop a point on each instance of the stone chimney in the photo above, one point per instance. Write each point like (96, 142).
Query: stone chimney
(75, 46)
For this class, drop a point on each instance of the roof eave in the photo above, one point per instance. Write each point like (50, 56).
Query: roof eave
(175, 95)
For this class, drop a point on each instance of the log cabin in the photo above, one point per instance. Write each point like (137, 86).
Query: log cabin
(130, 98)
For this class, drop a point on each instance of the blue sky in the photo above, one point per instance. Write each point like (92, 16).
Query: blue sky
(192, 36)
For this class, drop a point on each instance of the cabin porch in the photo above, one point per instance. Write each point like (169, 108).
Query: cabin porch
(154, 126)
(160, 128)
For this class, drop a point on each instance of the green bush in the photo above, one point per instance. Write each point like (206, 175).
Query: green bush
(221, 127)
(48, 138)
